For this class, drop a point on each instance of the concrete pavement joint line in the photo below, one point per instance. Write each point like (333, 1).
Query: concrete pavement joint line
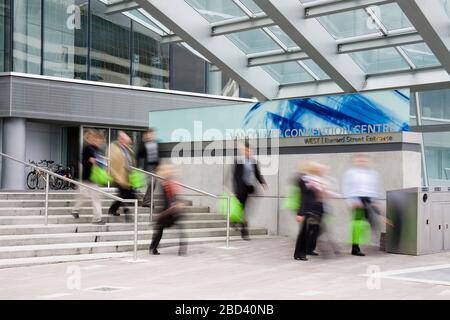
(54, 296)
(106, 289)
(442, 283)
(409, 270)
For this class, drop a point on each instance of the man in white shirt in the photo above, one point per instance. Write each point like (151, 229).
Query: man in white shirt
(362, 188)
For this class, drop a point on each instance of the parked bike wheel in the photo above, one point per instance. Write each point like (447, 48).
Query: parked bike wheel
(41, 182)
(32, 180)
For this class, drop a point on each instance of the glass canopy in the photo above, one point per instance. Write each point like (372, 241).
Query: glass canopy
(361, 34)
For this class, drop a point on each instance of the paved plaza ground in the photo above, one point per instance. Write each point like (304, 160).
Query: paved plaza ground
(256, 269)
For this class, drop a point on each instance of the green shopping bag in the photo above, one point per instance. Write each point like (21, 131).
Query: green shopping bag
(293, 200)
(99, 176)
(236, 209)
(360, 228)
(136, 179)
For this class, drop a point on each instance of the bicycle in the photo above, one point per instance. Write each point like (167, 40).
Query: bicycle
(36, 178)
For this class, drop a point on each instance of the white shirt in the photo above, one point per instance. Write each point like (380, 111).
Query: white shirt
(361, 182)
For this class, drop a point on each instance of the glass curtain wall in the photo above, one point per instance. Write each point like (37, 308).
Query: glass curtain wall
(150, 60)
(435, 118)
(65, 38)
(27, 36)
(5, 35)
(110, 46)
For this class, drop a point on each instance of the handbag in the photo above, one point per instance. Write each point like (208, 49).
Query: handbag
(293, 200)
(136, 179)
(236, 208)
(99, 176)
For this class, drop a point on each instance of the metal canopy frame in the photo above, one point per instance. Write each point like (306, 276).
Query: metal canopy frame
(301, 22)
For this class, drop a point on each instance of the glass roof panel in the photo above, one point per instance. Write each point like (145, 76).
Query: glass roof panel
(392, 16)
(288, 72)
(251, 5)
(421, 55)
(139, 16)
(283, 37)
(349, 24)
(217, 10)
(316, 69)
(380, 60)
(253, 41)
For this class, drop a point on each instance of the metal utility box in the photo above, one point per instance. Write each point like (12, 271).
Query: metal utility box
(421, 219)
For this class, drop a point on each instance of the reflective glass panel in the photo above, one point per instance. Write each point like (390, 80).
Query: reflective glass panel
(27, 36)
(216, 10)
(280, 34)
(435, 107)
(110, 52)
(150, 64)
(4, 35)
(380, 60)
(253, 41)
(392, 16)
(65, 38)
(288, 72)
(437, 156)
(421, 55)
(251, 5)
(349, 24)
(316, 69)
(141, 18)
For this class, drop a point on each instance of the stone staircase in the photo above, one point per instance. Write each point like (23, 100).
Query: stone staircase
(26, 240)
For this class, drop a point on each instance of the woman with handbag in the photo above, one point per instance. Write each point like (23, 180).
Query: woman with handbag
(312, 191)
(171, 213)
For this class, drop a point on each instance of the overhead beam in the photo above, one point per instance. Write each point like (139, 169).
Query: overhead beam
(240, 24)
(418, 80)
(315, 41)
(184, 21)
(377, 42)
(173, 38)
(433, 25)
(276, 57)
(121, 7)
(322, 8)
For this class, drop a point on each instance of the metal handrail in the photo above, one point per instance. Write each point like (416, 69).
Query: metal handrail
(154, 175)
(80, 184)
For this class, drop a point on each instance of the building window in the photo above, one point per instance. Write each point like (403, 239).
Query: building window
(27, 36)
(65, 38)
(110, 46)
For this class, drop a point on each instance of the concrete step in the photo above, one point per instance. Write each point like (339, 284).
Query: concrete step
(62, 219)
(34, 195)
(15, 252)
(24, 203)
(85, 210)
(39, 239)
(32, 261)
(80, 228)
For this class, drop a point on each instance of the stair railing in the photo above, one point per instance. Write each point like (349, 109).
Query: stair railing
(185, 186)
(49, 173)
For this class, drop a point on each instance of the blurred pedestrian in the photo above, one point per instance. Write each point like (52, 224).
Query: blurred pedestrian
(246, 169)
(312, 189)
(90, 158)
(121, 163)
(148, 156)
(171, 210)
(362, 186)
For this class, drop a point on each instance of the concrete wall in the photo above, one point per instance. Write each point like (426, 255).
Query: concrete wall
(398, 169)
(44, 141)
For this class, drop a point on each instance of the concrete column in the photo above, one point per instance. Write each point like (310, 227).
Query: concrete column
(14, 142)
(215, 83)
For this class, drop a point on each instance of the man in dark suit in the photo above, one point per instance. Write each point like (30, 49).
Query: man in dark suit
(246, 169)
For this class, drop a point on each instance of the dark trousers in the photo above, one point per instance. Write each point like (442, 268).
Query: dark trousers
(368, 215)
(242, 196)
(307, 237)
(158, 231)
(146, 201)
(124, 194)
